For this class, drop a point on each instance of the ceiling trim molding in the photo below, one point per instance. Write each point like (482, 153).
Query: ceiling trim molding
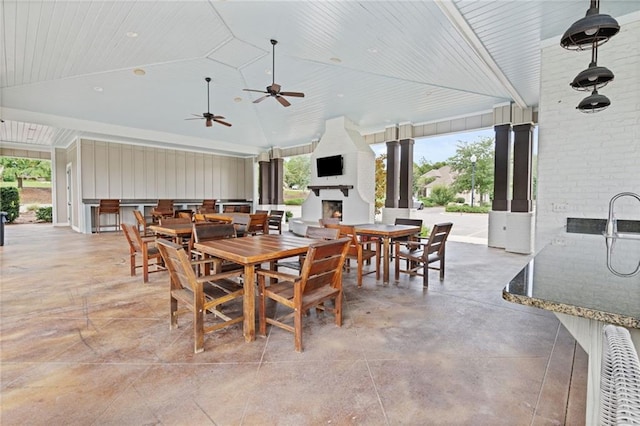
(457, 20)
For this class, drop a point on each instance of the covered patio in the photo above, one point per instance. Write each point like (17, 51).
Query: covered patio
(85, 343)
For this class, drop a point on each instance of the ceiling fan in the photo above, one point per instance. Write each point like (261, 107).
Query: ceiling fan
(207, 115)
(274, 89)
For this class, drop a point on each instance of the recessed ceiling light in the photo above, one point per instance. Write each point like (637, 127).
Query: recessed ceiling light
(98, 89)
(139, 71)
(340, 95)
(132, 34)
(336, 60)
(372, 50)
(237, 99)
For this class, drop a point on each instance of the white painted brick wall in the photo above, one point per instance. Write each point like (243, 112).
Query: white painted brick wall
(585, 159)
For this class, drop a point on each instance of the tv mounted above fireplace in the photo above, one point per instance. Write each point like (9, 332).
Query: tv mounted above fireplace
(330, 166)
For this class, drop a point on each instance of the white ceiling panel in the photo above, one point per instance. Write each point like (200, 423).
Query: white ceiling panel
(67, 66)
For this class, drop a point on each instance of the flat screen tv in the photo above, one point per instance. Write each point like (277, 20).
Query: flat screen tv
(329, 166)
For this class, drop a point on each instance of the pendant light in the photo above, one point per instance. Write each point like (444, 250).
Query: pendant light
(593, 77)
(594, 29)
(594, 103)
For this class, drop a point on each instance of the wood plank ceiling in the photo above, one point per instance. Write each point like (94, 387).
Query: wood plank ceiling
(68, 68)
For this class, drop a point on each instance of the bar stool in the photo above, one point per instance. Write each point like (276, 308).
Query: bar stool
(108, 207)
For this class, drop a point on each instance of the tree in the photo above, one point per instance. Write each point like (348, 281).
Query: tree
(381, 182)
(297, 172)
(24, 168)
(461, 163)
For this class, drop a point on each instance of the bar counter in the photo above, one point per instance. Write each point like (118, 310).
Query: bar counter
(587, 281)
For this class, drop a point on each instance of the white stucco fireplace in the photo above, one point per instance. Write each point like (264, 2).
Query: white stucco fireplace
(344, 186)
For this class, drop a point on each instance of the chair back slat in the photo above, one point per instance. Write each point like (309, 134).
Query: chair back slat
(257, 223)
(322, 233)
(213, 231)
(437, 239)
(407, 221)
(323, 264)
(174, 220)
(133, 236)
(177, 262)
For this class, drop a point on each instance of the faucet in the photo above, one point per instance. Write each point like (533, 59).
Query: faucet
(611, 230)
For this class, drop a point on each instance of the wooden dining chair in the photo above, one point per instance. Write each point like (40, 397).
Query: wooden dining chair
(209, 232)
(320, 281)
(258, 224)
(164, 208)
(184, 214)
(420, 254)
(275, 220)
(208, 206)
(201, 295)
(361, 251)
(311, 232)
(109, 207)
(145, 248)
(329, 221)
(142, 224)
(405, 221)
(174, 220)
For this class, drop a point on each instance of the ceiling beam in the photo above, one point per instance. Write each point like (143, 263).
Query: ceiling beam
(454, 16)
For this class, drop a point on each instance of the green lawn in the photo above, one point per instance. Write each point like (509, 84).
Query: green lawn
(27, 184)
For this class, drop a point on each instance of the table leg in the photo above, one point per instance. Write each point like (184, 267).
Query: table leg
(386, 259)
(248, 303)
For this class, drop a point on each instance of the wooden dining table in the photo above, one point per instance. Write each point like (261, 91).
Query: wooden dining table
(176, 231)
(386, 233)
(250, 252)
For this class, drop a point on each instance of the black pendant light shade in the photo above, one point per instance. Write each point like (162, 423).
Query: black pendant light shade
(594, 77)
(594, 103)
(592, 30)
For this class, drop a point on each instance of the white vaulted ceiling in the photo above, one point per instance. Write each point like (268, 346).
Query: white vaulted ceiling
(67, 67)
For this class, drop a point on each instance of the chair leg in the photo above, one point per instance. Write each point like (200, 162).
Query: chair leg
(145, 266)
(397, 262)
(442, 269)
(198, 329)
(173, 306)
(425, 275)
(297, 325)
(262, 307)
(338, 309)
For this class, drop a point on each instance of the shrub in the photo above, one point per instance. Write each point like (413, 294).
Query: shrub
(288, 215)
(10, 202)
(467, 209)
(294, 202)
(442, 195)
(460, 200)
(44, 214)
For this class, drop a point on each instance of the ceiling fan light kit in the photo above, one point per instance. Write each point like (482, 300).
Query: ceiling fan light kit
(208, 116)
(591, 31)
(274, 89)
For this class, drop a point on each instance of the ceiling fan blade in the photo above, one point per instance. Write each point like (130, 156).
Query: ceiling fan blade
(216, 117)
(198, 115)
(199, 118)
(294, 94)
(254, 90)
(261, 99)
(283, 101)
(224, 123)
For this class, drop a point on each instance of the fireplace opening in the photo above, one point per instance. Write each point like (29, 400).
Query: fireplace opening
(332, 209)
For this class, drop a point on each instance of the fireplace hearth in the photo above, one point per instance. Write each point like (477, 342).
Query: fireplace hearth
(332, 209)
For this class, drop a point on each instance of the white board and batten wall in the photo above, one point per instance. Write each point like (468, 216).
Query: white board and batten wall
(109, 170)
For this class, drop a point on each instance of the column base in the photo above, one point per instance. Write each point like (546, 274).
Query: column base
(389, 214)
(519, 234)
(497, 229)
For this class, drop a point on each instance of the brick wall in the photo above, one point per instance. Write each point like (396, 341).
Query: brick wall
(585, 159)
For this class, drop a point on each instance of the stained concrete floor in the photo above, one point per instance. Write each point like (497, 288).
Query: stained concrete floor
(83, 343)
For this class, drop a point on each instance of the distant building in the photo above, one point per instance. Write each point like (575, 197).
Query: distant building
(443, 176)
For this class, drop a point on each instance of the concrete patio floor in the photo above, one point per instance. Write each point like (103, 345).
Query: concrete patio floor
(83, 343)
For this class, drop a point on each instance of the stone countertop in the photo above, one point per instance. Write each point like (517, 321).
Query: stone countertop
(571, 276)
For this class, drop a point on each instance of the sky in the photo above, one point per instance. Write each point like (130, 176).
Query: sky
(439, 148)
